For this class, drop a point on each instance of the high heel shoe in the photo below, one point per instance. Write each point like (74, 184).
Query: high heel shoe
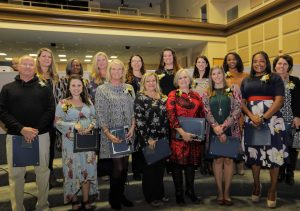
(270, 203)
(256, 198)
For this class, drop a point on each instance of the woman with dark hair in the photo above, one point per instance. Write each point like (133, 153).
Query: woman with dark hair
(76, 112)
(283, 65)
(234, 72)
(135, 71)
(200, 74)
(167, 68)
(263, 96)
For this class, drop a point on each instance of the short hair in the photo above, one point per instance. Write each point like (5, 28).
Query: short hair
(95, 72)
(69, 67)
(112, 63)
(196, 72)
(268, 64)
(177, 75)
(84, 95)
(287, 58)
(143, 81)
(239, 62)
(52, 69)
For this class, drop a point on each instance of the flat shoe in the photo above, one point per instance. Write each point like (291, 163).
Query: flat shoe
(228, 202)
(220, 201)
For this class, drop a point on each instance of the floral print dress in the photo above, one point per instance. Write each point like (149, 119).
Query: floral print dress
(275, 154)
(81, 166)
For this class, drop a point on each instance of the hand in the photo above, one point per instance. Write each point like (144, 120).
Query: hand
(186, 136)
(218, 129)
(77, 126)
(130, 133)
(222, 138)
(257, 121)
(296, 122)
(151, 143)
(84, 131)
(29, 133)
(113, 138)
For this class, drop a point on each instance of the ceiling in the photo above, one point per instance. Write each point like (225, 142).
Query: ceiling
(113, 4)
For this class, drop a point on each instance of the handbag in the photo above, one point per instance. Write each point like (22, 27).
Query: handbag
(192, 125)
(257, 136)
(296, 140)
(86, 142)
(123, 148)
(231, 148)
(161, 151)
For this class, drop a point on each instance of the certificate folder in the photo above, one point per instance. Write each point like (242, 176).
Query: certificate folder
(192, 125)
(230, 148)
(123, 148)
(87, 142)
(25, 154)
(257, 136)
(161, 151)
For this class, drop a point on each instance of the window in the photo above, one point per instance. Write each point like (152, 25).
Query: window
(232, 13)
(204, 13)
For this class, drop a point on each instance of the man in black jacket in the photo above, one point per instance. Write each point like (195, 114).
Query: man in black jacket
(27, 109)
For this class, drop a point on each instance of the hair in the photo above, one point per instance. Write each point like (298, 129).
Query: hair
(196, 71)
(52, 69)
(69, 67)
(112, 63)
(143, 81)
(268, 64)
(84, 95)
(287, 58)
(95, 71)
(129, 75)
(177, 75)
(161, 65)
(239, 62)
(211, 88)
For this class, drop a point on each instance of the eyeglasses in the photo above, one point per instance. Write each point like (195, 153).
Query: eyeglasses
(27, 65)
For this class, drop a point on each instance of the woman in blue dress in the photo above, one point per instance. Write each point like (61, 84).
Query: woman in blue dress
(263, 94)
(79, 169)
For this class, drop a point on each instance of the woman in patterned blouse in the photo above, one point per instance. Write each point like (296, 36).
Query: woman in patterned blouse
(186, 153)
(151, 124)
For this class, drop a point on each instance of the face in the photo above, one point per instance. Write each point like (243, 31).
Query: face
(231, 61)
(150, 83)
(217, 76)
(201, 64)
(76, 87)
(75, 67)
(45, 59)
(102, 65)
(116, 72)
(14, 64)
(168, 57)
(259, 64)
(183, 81)
(282, 67)
(136, 63)
(26, 68)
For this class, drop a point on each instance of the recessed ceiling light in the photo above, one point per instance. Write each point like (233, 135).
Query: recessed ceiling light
(3, 54)
(62, 60)
(88, 56)
(87, 60)
(33, 54)
(62, 56)
(109, 60)
(8, 58)
(113, 57)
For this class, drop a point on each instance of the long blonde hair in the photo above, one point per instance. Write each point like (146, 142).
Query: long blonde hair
(211, 90)
(52, 69)
(95, 75)
(143, 81)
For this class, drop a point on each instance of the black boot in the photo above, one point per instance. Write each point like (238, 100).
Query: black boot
(290, 168)
(189, 183)
(281, 175)
(124, 200)
(178, 182)
(114, 193)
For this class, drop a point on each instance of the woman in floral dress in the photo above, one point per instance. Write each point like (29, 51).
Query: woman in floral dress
(185, 152)
(79, 169)
(263, 95)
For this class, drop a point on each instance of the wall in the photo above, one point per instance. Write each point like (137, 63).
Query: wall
(280, 35)
(186, 8)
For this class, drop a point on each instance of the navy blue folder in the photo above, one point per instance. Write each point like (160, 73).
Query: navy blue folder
(25, 154)
(257, 136)
(192, 125)
(161, 151)
(230, 148)
(87, 142)
(123, 148)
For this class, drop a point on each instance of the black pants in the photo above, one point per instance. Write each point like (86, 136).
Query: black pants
(137, 162)
(52, 135)
(177, 174)
(152, 181)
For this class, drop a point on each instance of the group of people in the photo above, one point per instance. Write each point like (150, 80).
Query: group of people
(149, 105)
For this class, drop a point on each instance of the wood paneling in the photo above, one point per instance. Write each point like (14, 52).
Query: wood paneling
(257, 34)
(271, 29)
(291, 22)
(291, 43)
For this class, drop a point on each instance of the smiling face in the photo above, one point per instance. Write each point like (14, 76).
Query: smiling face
(116, 72)
(150, 83)
(183, 81)
(201, 64)
(282, 67)
(231, 61)
(102, 64)
(217, 76)
(76, 87)
(259, 64)
(168, 57)
(26, 68)
(136, 63)
(45, 59)
(75, 67)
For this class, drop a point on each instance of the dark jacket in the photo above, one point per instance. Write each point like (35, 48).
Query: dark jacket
(26, 104)
(295, 96)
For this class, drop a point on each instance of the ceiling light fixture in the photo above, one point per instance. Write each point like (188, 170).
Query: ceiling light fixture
(8, 59)
(87, 60)
(63, 60)
(113, 57)
(3, 54)
(62, 56)
(33, 54)
(88, 56)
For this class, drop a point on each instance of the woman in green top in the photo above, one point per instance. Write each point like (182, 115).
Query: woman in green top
(223, 109)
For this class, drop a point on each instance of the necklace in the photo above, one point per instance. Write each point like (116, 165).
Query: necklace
(220, 112)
